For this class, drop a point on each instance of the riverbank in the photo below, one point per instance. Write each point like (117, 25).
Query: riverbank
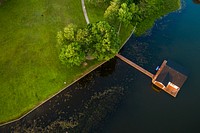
(123, 36)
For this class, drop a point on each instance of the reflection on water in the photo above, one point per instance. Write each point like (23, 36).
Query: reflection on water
(108, 68)
(155, 88)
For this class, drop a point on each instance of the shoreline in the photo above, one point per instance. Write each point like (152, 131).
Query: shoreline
(79, 77)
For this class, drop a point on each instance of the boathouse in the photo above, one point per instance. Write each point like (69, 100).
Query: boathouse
(170, 77)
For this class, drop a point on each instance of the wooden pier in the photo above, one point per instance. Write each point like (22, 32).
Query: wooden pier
(135, 66)
(159, 71)
(166, 78)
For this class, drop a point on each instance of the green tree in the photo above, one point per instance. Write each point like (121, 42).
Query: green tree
(124, 15)
(60, 38)
(148, 8)
(111, 12)
(82, 35)
(96, 41)
(72, 54)
(136, 14)
(70, 31)
(105, 42)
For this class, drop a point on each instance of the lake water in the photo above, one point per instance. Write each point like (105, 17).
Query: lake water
(175, 37)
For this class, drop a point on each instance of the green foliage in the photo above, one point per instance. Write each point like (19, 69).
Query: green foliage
(60, 38)
(150, 10)
(125, 16)
(142, 12)
(111, 12)
(120, 13)
(82, 36)
(98, 40)
(72, 54)
(70, 31)
(136, 14)
(105, 42)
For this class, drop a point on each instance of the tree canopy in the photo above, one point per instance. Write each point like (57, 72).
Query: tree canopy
(98, 40)
(105, 42)
(72, 54)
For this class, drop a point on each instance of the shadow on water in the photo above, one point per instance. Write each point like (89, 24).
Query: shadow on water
(108, 68)
(155, 88)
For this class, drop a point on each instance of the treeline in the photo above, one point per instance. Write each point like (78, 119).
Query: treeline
(101, 40)
(95, 41)
(142, 13)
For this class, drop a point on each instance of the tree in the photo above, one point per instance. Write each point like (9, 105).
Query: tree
(111, 12)
(60, 38)
(124, 15)
(83, 38)
(72, 54)
(82, 35)
(98, 40)
(136, 14)
(148, 8)
(70, 31)
(105, 42)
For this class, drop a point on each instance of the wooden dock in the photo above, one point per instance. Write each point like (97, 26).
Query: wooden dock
(159, 71)
(165, 73)
(170, 89)
(135, 66)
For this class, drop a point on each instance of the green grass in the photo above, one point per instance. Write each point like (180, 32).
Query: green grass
(29, 66)
(95, 13)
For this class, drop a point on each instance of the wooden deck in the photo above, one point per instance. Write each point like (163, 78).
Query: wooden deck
(159, 70)
(170, 88)
(135, 66)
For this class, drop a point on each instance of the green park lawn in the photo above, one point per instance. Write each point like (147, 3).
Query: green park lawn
(30, 70)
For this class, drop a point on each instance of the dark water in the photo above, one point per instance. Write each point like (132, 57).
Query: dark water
(175, 37)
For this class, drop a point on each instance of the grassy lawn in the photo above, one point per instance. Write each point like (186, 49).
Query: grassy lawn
(95, 13)
(29, 66)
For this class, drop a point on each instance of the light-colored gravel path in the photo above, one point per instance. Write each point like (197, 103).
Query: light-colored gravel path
(85, 12)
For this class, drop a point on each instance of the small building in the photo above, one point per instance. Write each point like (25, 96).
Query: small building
(170, 77)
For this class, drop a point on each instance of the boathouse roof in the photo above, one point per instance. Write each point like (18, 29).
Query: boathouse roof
(170, 77)
(173, 73)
